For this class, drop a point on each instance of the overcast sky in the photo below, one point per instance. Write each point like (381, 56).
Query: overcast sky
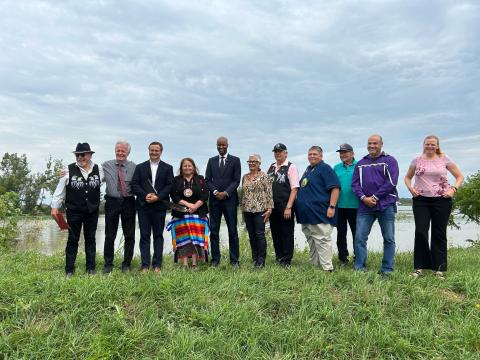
(258, 72)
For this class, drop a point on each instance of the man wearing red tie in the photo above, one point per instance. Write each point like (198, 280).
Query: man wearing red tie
(119, 205)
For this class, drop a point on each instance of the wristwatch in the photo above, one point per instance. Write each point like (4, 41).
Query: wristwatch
(331, 206)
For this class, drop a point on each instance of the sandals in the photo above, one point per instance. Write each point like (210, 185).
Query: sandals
(417, 273)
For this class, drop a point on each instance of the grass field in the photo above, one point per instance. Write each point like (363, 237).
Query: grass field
(275, 313)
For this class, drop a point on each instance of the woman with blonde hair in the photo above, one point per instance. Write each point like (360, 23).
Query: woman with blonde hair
(432, 204)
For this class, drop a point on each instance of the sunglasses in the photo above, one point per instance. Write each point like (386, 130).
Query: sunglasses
(81, 155)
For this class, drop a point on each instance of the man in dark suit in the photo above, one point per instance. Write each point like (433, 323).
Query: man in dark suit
(223, 177)
(151, 183)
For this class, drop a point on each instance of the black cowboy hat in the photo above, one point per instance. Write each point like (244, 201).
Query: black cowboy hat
(83, 148)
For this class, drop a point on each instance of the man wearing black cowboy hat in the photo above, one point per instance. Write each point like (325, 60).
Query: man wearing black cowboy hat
(79, 189)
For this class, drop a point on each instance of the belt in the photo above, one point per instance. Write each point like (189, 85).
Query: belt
(119, 198)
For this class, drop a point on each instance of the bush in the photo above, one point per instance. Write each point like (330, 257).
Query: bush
(467, 199)
(9, 212)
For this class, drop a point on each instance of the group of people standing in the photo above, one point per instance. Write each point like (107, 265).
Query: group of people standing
(352, 193)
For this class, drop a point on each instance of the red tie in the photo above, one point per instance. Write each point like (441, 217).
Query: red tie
(121, 182)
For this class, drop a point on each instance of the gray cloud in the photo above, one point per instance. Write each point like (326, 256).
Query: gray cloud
(303, 72)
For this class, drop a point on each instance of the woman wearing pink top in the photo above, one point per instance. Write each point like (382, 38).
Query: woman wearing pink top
(432, 203)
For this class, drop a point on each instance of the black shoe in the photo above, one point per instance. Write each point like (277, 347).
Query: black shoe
(91, 272)
(214, 263)
(126, 269)
(235, 265)
(68, 275)
(344, 262)
(285, 264)
(107, 269)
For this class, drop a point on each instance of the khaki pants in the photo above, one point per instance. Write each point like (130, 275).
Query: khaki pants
(320, 241)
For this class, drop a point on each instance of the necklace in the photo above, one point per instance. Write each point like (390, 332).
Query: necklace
(187, 187)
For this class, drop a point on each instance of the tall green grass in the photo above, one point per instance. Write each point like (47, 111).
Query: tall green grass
(225, 313)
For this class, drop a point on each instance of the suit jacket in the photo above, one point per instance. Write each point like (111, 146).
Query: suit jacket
(228, 181)
(142, 184)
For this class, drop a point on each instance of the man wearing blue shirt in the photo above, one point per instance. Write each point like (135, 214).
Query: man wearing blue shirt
(315, 207)
(347, 202)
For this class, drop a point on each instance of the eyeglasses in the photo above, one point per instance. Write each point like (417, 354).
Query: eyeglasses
(252, 161)
(81, 155)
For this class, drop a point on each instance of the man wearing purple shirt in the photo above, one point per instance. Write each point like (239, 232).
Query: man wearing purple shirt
(374, 181)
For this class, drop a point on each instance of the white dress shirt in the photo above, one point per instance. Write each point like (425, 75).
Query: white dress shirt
(59, 195)
(154, 168)
(224, 159)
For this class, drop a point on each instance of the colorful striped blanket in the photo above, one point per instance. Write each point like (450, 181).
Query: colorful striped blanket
(189, 229)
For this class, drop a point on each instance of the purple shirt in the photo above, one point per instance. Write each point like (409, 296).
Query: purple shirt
(376, 177)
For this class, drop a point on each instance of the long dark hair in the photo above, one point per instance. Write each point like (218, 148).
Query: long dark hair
(195, 169)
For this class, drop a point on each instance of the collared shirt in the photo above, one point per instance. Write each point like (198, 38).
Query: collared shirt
(347, 198)
(58, 197)
(110, 169)
(154, 168)
(220, 158)
(313, 197)
(292, 174)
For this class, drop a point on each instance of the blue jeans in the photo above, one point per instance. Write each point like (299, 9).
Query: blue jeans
(386, 220)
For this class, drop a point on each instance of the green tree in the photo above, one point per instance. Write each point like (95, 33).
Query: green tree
(32, 188)
(467, 198)
(49, 179)
(14, 173)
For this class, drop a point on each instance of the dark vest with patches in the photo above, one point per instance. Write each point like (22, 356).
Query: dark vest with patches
(280, 186)
(81, 194)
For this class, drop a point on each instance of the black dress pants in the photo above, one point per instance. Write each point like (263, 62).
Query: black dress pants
(256, 233)
(346, 216)
(151, 220)
(229, 210)
(89, 221)
(434, 211)
(119, 209)
(282, 236)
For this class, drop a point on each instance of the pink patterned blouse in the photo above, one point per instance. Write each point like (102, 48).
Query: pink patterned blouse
(431, 175)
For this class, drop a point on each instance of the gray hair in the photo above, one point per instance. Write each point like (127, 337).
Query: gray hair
(125, 143)
(256, 156)
(316, 148)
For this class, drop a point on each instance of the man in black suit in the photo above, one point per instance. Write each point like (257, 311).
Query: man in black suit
(151, 183)
(223, 177)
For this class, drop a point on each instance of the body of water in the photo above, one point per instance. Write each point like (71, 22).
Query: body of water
(45, 237)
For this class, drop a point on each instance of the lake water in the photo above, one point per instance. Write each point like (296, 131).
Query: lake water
(45, 237)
